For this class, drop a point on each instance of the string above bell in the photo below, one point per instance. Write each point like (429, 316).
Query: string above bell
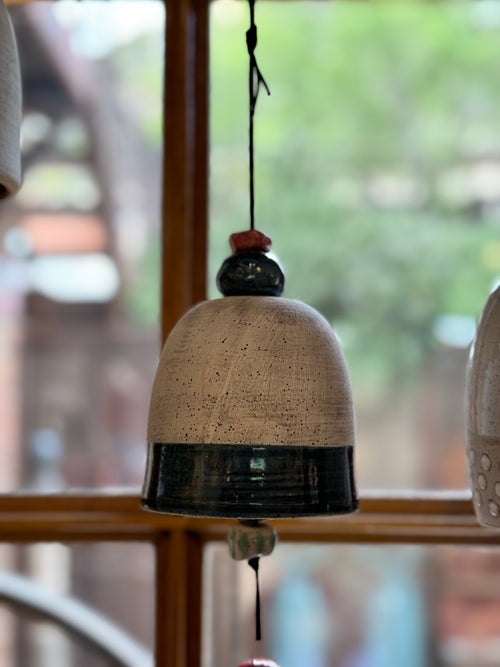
(255, 80)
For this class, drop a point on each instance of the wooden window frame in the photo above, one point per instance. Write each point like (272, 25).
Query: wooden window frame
(99, 516)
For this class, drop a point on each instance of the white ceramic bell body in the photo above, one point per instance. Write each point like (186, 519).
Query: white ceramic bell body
(10, 108)
(483, 414)
(252, 402)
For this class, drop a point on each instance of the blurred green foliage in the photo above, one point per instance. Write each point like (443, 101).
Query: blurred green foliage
(377, 163)
(137, 65)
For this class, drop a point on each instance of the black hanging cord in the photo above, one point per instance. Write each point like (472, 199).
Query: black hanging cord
(254, 564)
(255, 79)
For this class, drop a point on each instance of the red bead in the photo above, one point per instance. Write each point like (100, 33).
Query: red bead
(249, 240)
(259, 662)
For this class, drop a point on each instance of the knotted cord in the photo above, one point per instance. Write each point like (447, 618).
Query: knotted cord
(255, 80)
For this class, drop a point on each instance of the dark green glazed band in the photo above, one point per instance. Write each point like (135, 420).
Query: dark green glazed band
(248, 481)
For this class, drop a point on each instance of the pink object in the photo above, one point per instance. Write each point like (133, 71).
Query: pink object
(249, 240)
(483, 414)
(259, 662)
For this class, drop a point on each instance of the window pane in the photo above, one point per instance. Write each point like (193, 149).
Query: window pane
(79, 262)
(355, 606)
(377, 177)
(105, 577)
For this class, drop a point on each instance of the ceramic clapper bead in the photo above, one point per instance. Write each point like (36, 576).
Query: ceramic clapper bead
(251, 540)
(483, 414)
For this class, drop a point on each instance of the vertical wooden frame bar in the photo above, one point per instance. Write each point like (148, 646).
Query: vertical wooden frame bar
(185, 177)
(178, 605)
(184, 262)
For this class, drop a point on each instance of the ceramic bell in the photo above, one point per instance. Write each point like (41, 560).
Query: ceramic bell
(251, 410)
(483, 414)
(10, 108)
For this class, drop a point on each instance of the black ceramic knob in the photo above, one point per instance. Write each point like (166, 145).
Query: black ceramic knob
(250, 274)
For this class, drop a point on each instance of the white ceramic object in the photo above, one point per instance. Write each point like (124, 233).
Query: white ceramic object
(483, 414)
(264, 370)
(10, 108)
(251, 414)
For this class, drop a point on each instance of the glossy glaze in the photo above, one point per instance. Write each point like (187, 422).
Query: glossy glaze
(248, 481)
(251, 274)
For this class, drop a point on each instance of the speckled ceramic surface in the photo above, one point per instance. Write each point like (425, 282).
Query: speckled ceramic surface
(260, 370)
(483, 414)
(10, 108)
(251, 414)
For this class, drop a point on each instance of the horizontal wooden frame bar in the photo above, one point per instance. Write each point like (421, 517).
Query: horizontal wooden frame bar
(435, 518)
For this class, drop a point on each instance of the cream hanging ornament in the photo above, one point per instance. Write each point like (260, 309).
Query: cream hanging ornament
(10, 108)
(483, 414)
(251, 414)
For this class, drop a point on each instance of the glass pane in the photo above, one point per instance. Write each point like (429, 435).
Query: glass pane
(79, 263)
(355, 606)
(114, 581)
(377, 177)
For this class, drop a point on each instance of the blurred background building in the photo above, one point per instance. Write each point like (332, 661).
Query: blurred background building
(378, 178)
